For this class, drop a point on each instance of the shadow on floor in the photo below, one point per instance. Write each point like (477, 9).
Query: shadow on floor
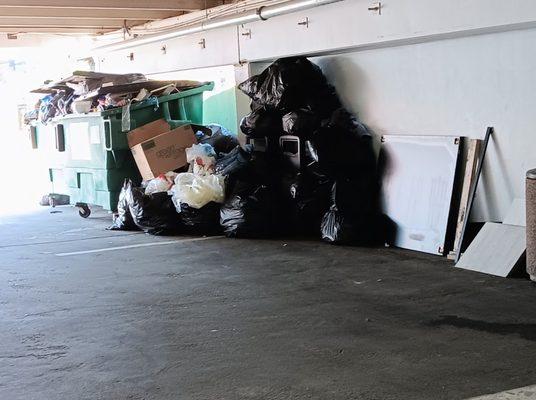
(526, 331)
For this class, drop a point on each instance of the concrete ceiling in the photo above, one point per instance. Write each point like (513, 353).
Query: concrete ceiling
(89, 16)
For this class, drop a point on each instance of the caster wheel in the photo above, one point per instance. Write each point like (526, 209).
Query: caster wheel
(83, 210)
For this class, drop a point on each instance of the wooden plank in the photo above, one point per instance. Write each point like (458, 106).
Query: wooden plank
(468, 179)
(474, 186)
(495, 250)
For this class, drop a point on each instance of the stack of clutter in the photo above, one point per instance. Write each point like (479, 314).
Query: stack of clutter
(87, 91)
(308, 169)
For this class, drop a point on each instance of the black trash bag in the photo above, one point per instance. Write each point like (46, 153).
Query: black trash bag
(262, 122)
(122, 220)
(154, 213)
(310, 155)
(201, 221)
(221, 139)
(324, 101)
(337, 228)
(301, 123)
(285, 85)
(310, 162)
(344, 147)
(354, 216)
(342, 119)
(310, 199)
(250, 212)
(233, 161)
(263, 168)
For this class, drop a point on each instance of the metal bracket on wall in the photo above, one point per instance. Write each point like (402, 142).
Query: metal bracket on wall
(376, 7)
(305, 22)
(163, 49)
(202, 43)
(246, 33)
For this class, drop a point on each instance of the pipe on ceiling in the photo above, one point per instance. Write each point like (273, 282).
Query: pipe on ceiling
(259, 14)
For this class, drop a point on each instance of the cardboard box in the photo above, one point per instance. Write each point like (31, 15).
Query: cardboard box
(157, 150)
(146, 132)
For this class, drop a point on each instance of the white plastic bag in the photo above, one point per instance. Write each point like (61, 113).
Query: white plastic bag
(162, 183)
(197, 190)
(202, 157)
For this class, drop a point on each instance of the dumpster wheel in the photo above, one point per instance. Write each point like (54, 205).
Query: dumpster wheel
(83, 210)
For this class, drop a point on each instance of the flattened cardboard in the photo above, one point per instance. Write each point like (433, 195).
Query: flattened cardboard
(496, 250)
(164, 152)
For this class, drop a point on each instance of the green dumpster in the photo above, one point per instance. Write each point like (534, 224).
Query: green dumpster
(97, 156)
(43, 141)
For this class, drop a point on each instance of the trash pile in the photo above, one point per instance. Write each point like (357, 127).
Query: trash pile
(308, 169)
(187, 201)
(87, 91)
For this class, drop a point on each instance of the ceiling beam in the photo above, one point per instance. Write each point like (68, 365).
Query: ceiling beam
(59, 22)
(4, 30)
(162, 5)
(151, 15)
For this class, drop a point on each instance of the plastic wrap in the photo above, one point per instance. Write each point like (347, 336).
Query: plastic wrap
(202, 157)
(162, 183)
(197, 190)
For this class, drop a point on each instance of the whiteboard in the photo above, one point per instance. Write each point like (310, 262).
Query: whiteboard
(417, 184)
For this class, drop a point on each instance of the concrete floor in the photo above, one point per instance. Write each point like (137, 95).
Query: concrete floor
(238, 319)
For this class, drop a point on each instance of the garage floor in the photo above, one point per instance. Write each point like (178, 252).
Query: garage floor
(244, 319)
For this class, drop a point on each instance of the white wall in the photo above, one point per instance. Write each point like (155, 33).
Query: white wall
(453, 87)
(208, 49)
(219, 103)
(349, 25)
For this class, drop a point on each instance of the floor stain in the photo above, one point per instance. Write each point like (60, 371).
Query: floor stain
(524, 330)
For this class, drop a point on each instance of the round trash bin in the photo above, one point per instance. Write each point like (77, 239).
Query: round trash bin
(530, 198)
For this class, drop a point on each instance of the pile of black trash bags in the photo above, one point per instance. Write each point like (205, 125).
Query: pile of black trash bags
(309, 170)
